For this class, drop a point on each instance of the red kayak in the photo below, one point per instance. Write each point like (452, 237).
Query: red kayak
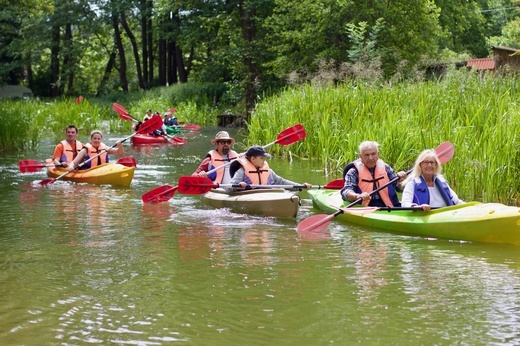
(140, 139)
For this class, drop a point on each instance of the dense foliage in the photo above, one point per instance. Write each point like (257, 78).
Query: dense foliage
(91, 47)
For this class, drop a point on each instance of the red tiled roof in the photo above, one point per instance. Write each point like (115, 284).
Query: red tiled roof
(481, 64)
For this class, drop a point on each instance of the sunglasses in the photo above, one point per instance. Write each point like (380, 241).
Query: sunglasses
(225, 142)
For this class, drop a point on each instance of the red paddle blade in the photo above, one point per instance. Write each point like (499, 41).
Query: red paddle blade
(152, 124)
(291, 135)
(159, 194)
(125, 117)
(172, 110)
(127, 161)
(315, 223)
(192, 127)
(30, 166)
(335, 184)
(195, 185)
(445, 152)
(47, 181)
(118, 108)
(177, 140)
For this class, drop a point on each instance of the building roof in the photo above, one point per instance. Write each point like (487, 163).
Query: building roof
(481, 64)
(508, 49)
(14, 91)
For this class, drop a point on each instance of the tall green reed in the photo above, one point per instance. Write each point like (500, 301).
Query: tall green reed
(479, 115)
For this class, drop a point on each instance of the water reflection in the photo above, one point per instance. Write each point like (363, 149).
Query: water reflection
(91, 264)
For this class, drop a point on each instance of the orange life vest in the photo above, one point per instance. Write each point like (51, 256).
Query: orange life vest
(70, 153)
(368, 183)
(91, 152)
(256, 176)
(218, 160)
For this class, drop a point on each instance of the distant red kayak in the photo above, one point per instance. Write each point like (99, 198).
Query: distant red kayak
(140, 139)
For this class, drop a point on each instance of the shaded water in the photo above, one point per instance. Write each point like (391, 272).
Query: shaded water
(85, 264)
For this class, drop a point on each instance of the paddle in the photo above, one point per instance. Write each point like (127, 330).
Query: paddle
(198, 185)
(320, 222)
(288, 136)
(31, 166)
(127, 161)
(150, 125)
(123, 114)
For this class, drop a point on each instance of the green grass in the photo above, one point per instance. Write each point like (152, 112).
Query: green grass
(480, 116)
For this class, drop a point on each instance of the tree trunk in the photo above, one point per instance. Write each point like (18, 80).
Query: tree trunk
(108, 70)
(55, 61)
(252, 75)
(121, 52)
(150, 42)
(144, 37)
(179, 59)
(162, 61)
(68, 61)
(135, 49)
(172, 64)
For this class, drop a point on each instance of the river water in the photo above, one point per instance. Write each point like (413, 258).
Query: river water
(86, 264)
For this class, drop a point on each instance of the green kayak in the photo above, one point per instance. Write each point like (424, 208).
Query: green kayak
(473, 221)
(171, 130)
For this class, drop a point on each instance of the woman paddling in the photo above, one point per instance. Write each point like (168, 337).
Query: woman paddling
(426, 187)
(93, 149)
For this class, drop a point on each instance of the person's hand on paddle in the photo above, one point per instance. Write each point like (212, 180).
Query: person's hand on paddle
(307, 185)
(401, 175)
(425, 207)
(71, 167)
(242, 184)
(365, 196)
(202, 174)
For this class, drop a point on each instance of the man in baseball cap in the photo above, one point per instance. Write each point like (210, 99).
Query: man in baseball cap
(254, 170)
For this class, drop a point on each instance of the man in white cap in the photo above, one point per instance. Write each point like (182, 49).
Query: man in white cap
(218, 157)
(254, 170)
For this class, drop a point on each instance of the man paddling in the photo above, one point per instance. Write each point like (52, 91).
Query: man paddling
(217, 157)
(67, 150)
(366, 175)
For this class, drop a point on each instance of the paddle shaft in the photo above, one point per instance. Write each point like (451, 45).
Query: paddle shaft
(253, 186)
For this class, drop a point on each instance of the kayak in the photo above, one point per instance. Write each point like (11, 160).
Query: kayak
(171, 130)
(107, 173)
(472, 221)
(144, 138)
(266, 202)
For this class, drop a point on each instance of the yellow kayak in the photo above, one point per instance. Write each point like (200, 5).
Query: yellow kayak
(107, 173)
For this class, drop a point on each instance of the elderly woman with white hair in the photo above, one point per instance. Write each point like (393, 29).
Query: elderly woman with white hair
(426, 187)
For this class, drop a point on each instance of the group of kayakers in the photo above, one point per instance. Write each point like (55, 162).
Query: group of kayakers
(251, 169)
(168, 120)
(70, 152)
(424, 187)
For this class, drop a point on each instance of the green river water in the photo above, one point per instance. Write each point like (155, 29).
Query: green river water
(86, 264)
